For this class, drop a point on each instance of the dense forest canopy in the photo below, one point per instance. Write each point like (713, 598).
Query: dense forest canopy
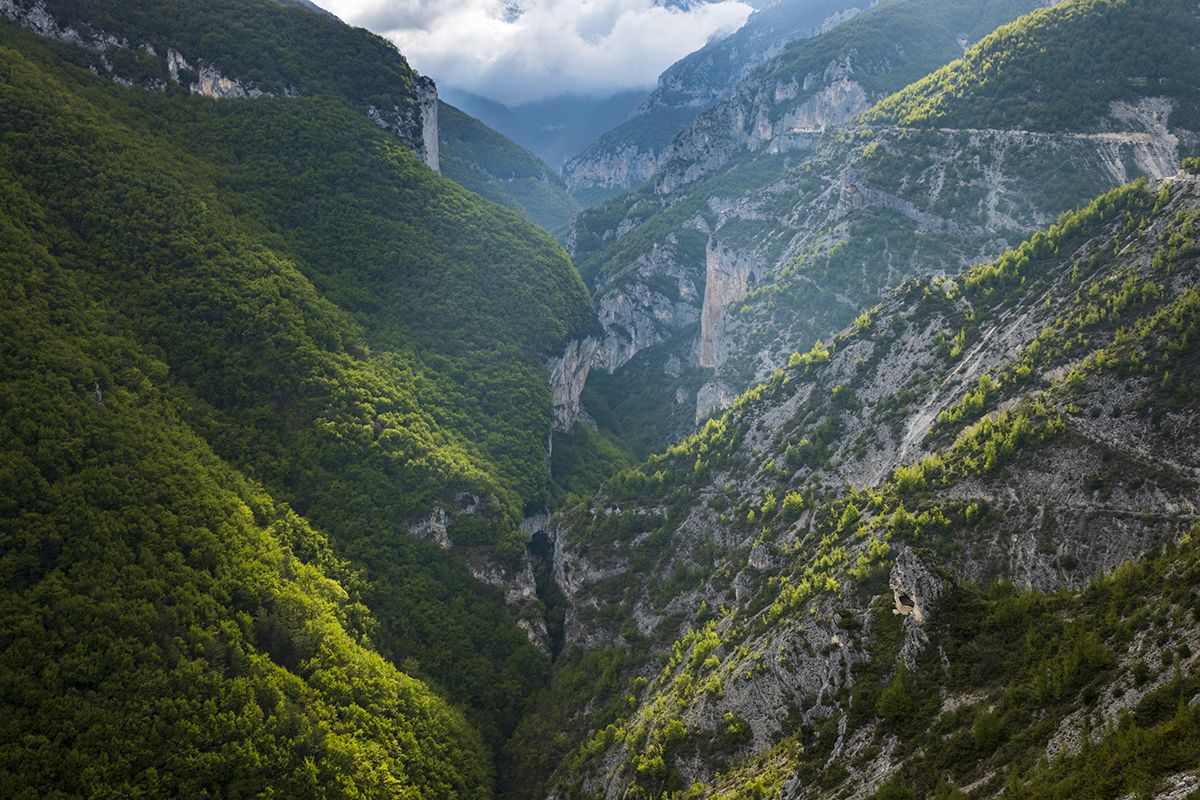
(319, 313)
(282, 514)
(1060, 68)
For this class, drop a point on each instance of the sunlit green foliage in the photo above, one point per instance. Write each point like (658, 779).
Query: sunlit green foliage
(281, 291)
(1060, 68)
(894, 43)
(1035, 657)
(170, 628)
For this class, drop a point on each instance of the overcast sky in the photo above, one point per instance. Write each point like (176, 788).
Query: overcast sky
(520, 50)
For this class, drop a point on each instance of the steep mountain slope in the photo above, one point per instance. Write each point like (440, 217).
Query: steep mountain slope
(275, 474)
(228, 49)
(555, 128)
(706, 290)
(170, 628)
(795, 602)
(499, 170)
(295, 313)
(309, 4)
(631, 152)
(251, 52)
(814, 86)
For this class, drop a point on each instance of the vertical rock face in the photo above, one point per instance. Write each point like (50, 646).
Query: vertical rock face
(1144, 135)
(914, 591)
(416, 124)
(427, 97)
(568, 374)
(728, 278)
(626, 165)
(646, 304)
(762, 116)
(211, 83)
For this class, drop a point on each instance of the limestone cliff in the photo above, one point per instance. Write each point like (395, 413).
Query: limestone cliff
(832, 212)
(869, 453)
(427, 97)
(636, 150)
(648, 303)
(727, 280)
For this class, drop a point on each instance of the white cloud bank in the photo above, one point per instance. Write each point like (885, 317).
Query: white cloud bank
(516, 51)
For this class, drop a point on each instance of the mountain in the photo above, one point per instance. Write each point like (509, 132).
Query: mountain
(704, 287)
(870, 470)
(275, 408)
(555, 128)
(818, 85)
(308, 4)
(501, 171)
(630, 153)
(478, 158)
(879, 574)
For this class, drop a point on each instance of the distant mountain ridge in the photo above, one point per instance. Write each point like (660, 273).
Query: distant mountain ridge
(737, 256)
(629, 153)
(498, 169)
(555, 128)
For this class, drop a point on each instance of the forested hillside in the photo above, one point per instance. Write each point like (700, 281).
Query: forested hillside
(257, 48)
(286, 324)
(870, 473)
(169, 628)
(877, 575)
(1067, 66)
(501, 171)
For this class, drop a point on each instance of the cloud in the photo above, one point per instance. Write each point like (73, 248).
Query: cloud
(516, 51)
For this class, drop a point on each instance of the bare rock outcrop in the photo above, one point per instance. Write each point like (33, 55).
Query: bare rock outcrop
(915, 590)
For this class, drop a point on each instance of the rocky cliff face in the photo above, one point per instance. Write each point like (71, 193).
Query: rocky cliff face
(209, 81)
(784, 181)
(427, 98)
(621, 167)
(645, 304)
(205, 79)
(1023, 422)
(856, 216)
(903, 201)
(727, 278)
(420, 130)
(418, 126)
(34, 16)
(636, 150)
(833, 212)
(762, 117)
